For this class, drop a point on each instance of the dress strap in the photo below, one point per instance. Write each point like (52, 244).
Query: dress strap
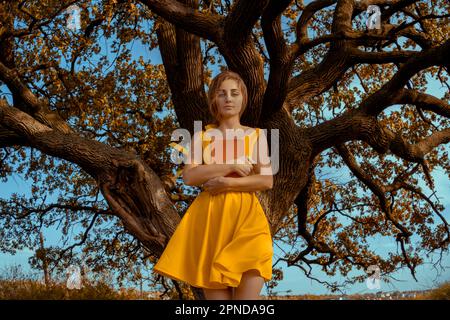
(250, 141)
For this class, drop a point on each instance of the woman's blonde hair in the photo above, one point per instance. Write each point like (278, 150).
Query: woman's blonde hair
(215, 84)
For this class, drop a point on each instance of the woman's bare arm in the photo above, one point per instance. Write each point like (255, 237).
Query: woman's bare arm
(263, 177)
(256, 182)
(196, 175)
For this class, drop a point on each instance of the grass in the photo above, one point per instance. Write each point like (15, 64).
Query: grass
(14, 285)
(440, 293)
(35, 290)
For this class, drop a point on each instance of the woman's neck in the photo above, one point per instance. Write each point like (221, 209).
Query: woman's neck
(229, 124)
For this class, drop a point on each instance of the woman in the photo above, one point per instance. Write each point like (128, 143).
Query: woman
(223, 243)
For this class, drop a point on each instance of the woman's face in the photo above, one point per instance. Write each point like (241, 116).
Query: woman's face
(229, 99)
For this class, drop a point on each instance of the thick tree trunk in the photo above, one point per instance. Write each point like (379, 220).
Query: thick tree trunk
(133, 190)
(138, 196)
(294, 161)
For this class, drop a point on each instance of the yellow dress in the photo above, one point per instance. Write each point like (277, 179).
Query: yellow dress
(219, 237)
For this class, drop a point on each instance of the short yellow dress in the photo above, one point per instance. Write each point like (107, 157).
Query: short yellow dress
(219, 237)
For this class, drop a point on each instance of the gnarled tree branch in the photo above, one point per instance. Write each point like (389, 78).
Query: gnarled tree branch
(204, 25)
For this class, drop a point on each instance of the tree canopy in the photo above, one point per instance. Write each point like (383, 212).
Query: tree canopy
(85, 118)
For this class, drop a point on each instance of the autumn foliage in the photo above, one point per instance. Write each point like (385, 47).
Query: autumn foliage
(86, 116)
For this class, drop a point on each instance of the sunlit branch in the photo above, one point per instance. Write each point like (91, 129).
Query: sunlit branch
(385, 205)
(423, 101)
(206, 25)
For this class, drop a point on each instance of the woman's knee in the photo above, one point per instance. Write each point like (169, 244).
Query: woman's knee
(217, 294)
(251, 272)
(250, 286)
(252, 275)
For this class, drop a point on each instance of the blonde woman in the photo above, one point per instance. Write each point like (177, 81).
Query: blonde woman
(223, 243)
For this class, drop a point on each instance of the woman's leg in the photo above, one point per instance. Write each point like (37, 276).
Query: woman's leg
(218, 294)
(250, 286)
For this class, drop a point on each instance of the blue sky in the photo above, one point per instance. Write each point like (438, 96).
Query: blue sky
(294, 279)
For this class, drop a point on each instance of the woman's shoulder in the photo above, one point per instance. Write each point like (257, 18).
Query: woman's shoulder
(245, 128)
(250, 132)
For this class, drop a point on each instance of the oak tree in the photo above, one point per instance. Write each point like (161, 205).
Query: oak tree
(84, 117)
